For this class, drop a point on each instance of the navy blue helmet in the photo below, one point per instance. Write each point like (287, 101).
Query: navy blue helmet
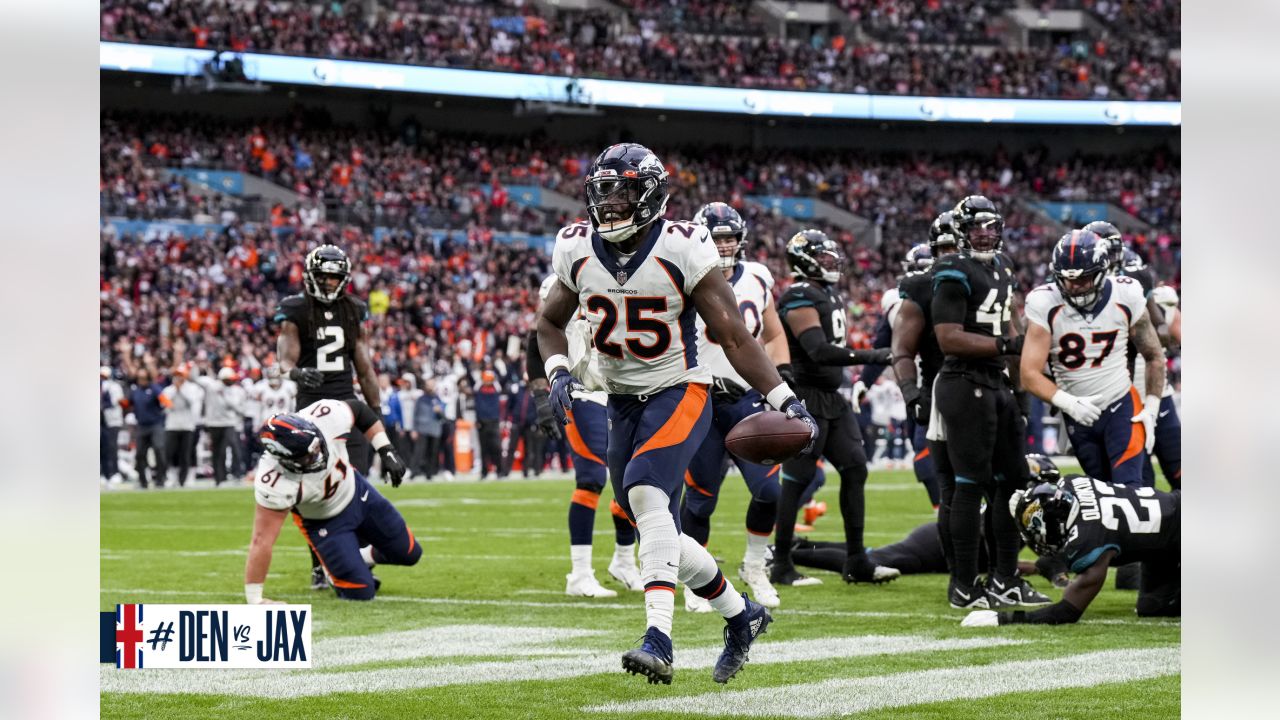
(1079, 268)
(626, 190)
(294, 441)
(1110, 234)
(918, 259)
(726, 226)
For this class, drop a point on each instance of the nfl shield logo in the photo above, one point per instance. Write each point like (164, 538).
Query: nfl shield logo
(622, 277)
(328, 315)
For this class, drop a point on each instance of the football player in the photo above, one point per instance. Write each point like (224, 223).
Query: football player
(588, 436)
(641, 281)
(971, 307)
(913, 337)
(1094, 525)
(322, 339)
(305, 471)
(813, 315)
(1080, 324)
(731, 401)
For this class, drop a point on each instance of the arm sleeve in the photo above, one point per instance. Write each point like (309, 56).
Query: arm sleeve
(533, 362)
(1059, 613)
(883, 339)
(949, 301)
(364, 415)
(815, 345)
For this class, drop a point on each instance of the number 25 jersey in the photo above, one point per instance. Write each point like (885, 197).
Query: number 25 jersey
(989, 301)
(328, 335)
(642, 317)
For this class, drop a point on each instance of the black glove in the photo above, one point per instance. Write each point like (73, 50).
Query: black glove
(1009, 346)
(1023, 398)
(391, 465)
(917, 407)
(874, 356)
(788, 375)
(547, 424)
(726, 391)
(307, 378)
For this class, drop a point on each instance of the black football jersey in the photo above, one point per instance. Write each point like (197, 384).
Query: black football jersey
(831, 314)
(918, 288)
(328, 334)
(1138, 523)
(989, 289)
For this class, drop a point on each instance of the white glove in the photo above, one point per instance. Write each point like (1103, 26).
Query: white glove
(859, 392)
(981, 618)
(1083, 410)
(1150, 413)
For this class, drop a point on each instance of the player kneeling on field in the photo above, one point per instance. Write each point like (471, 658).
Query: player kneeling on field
(1091, 525)
(305, 470)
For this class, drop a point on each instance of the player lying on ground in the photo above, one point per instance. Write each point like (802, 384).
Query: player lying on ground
(305, 471)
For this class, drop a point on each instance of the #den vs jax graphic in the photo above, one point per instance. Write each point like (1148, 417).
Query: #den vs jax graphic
(138, 636)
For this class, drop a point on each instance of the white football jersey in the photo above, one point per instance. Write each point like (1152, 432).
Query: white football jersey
(321, 494)
(274, 400)
(1088, 354)
(890, 301)
(642, 318)
(584, 361)
(752, 285)
(1167, 298)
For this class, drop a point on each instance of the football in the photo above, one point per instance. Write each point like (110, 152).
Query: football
(768, 438)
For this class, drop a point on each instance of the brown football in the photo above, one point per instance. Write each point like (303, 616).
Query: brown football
(768, 438)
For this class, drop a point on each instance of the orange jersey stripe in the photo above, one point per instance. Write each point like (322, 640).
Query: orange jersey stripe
(1137, 432)
(676, 429)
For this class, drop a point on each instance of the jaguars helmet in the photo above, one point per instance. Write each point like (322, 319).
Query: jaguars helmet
(942, 232)
(1079, 268)
(814, 256)
(919, 259)
(1043, 469)
(1110, 234)
(1044, 516)
(626, 190)
(979, 227)
(295, 442)
(326, 261)
(728, 231)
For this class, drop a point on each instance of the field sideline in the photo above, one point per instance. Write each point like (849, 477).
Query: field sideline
(481, 628)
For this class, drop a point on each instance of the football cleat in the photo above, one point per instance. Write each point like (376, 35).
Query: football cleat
(756, 579)
(318, 579)
(968, 597)
(627, 574)
(813, 510)
(653, 658)
(586, 585)
(739, 633)
(695, 603)
(1013, 593)
(861, 570)
(787, 574)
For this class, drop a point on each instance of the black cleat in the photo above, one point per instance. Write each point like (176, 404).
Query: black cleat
(738, 637)
(652, 659)
(787, 575)
(968, 597)
(861, 570)
(318, 580)
(1013, 593)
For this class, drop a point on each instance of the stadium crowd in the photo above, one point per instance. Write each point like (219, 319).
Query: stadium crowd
(931, 48)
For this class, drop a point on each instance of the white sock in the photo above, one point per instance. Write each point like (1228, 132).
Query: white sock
(366, 554)
(756, 544)
(698, 568)
(625, 554)
(659, 553)
(581, 557)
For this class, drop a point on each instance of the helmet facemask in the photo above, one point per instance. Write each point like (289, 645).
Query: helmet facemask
(730, 246)
(1081, 288)
(984, 235)
(830, 262)
(326, 277)
(314, 460)
(619, 205)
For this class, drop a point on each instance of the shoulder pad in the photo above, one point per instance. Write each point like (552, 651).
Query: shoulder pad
(290, 308)
(574, 230)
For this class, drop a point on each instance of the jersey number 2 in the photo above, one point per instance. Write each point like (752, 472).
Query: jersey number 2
(328, 358)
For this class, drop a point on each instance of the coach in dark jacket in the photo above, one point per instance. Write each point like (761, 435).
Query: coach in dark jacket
(148, 413)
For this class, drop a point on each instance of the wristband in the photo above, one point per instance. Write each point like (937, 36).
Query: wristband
(556, 362)
(779, 396)
(253, 593)
(380, 441)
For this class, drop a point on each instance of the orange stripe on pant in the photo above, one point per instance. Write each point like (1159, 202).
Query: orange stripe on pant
(618, 512)
(577, 443)
(677, 428)
(586, 498)
(1137, 432)
(297, 520)
(688, 480)
(922, 454)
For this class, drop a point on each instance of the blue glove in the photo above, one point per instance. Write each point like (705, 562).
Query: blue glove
(796, 409)
(563, 386)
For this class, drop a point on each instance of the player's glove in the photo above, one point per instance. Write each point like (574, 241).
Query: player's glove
(1148, 416)
(875, 356)
(858, 393)
(1083, 410)
(391, 465)
(546, 422)
(917, 408)
(563, 386)
(981, 618)
(796, 409)
(1009, 346)
(307, 378)
(787, 374)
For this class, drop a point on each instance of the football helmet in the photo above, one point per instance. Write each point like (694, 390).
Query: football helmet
(1043, 469)
(1110, 234)
(626, 190)
(942, 232)
(326, 261)
(275, 378)
(1132, 262)
(979, 227)
(728, 231)
(1079, 268)
(295, 442)
(814, 256)
(1044, 516)
(919, 259)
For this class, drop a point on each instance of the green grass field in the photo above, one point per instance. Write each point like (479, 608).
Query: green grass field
(481, 628)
